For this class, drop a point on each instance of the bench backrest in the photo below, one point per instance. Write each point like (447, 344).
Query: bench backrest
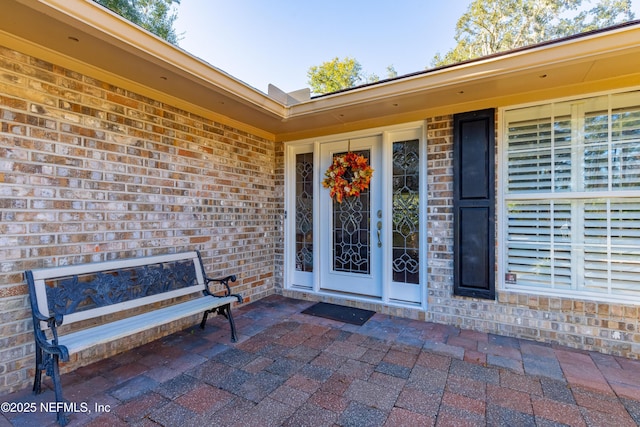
(84, 291)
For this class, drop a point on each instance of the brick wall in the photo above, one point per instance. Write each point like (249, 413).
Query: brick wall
(91, 171)
(603, 327)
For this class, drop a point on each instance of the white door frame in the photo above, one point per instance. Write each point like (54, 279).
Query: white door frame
(310, 281)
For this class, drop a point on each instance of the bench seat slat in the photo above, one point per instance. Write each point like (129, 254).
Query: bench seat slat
(83, 339)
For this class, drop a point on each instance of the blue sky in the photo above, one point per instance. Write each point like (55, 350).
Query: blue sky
(276, 41)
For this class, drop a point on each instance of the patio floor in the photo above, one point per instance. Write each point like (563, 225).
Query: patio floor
(293, 369)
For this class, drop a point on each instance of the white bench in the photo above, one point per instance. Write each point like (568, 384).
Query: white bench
(77, 293)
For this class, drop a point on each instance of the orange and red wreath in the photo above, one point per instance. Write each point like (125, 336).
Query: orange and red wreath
(348, 175)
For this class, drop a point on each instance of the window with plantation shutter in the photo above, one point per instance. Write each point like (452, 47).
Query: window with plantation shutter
(571, 197)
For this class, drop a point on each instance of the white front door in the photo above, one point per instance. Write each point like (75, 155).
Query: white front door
(351, 232)
(370, 246)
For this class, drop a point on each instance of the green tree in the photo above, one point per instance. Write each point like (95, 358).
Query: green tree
(491, 26)
(391, 73)
(156, 16)
(335, 75)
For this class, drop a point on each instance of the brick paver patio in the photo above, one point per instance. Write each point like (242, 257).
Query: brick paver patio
(291, 369)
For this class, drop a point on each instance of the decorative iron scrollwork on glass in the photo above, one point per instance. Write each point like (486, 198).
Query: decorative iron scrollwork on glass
(304, 212)
(406, 211)
(352, 231)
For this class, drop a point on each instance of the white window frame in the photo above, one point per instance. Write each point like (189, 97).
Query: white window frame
(575, 198)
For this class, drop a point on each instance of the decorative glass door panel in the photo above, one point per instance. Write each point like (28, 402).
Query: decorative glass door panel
(351, 258)
(407, 172)
(406, 212)
(304, 212)
(302, 250)
(351, 231)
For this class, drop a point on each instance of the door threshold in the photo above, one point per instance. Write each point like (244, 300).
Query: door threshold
(337, 297)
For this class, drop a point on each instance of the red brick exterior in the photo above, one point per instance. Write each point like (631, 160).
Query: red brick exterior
(90, 171)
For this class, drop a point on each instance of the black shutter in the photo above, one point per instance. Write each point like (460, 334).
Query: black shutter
(474, 204)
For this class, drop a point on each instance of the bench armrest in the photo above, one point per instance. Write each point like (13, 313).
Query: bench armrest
(41, 317)
(225, 282)
(49, 345)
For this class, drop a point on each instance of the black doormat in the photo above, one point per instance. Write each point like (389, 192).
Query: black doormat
(354, 316)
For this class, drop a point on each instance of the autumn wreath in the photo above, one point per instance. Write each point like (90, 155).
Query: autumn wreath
(348, 175)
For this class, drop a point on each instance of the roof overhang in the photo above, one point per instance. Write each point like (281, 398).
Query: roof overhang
(85, 37)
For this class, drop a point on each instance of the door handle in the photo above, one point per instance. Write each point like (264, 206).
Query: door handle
(379, 234)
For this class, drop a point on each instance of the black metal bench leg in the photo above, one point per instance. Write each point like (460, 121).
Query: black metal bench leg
(37, 377)
(204, 318)
(57, 385)
(232, 325)
(224, 310)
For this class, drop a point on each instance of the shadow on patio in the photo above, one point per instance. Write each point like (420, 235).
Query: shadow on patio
(293, 369)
